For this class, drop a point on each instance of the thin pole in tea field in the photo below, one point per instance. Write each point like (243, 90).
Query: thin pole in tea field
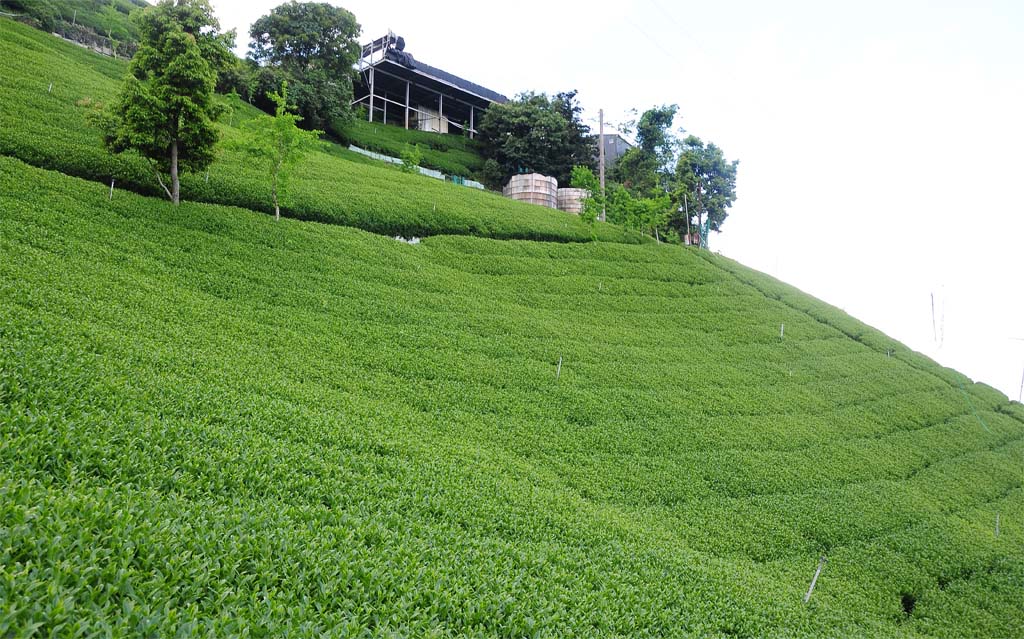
(558, 371)
(817, 573)
(111, 196)
(782, 331)
(935, 333)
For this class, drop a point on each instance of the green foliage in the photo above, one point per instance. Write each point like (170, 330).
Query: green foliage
(335, 186)
(215, 425)
(195, 18)
(450, 154)
(593, 205)
(708, 182)
(668, 180)
(277, 142)
(165, 110)
(646, 170)
(654, 136)
(411, 158)
(313, 46)
(534, 133)
(637, 172)
(645, 214)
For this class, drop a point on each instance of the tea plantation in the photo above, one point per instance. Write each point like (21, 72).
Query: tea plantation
(212, 424)
(47, 126)
(450, 154)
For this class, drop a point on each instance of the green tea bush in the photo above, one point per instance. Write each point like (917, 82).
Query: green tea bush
(214, 425)
(450, 154)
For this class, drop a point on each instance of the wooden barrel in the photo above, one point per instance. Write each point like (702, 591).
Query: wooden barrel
(533, 188)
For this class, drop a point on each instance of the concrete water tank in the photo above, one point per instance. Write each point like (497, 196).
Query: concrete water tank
(571, 200)
(533, 188)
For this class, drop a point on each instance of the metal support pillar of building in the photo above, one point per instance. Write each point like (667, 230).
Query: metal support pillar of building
(472, 125)
(440, 111)
(371, 94)
(407, 85)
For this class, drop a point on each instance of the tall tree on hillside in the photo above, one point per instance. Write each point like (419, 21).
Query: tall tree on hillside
(165, 110)
(313, 46)
(708, 182)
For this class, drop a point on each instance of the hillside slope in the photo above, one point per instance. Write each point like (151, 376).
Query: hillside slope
(211, 422)
(47, 87)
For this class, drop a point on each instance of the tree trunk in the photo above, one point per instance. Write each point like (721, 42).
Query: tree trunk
(689, 234)
(277, 209)
(175, 182)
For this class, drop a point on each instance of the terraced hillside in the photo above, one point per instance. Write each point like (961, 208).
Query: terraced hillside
(450, 154)
(213, 422)
(48, 126)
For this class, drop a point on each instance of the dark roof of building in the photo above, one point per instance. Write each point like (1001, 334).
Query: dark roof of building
(405, 59)
(462, 83)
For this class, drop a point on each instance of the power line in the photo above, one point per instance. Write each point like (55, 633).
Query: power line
(694, 40)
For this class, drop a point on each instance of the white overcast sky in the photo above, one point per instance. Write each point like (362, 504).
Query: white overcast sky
(880, 141)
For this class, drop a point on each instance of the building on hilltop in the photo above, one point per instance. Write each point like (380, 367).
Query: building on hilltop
(395, 88)
(615, 146)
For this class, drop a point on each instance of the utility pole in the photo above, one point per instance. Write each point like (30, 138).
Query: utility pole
(686, 208)
(600, 116)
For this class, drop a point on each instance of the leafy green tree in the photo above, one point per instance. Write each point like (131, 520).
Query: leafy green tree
(313, 46)
(646, 170)
(528, 134)
(707, 181)
(195, 17)
(277, 142)
(593, 205)
(412, 156)
(166, 110)
(637, 172)
(654, 135)
(645, 214)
